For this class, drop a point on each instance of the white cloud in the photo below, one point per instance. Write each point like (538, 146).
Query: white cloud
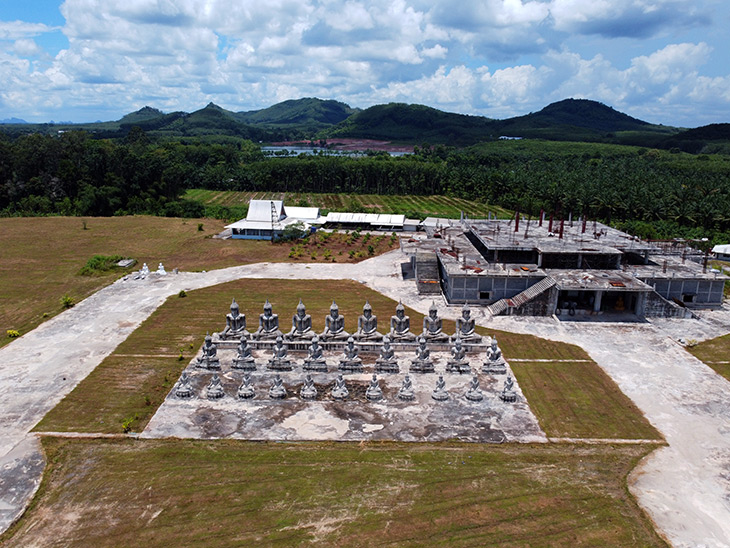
(14, 30)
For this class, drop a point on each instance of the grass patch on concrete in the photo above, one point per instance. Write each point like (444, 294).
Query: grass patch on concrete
(229, 493)
(715, 353)
(578, 399)
(42, 257)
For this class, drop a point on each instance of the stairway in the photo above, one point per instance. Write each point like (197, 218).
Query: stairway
(499, 307)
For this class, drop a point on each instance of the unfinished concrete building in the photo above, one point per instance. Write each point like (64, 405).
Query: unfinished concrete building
(567, 269)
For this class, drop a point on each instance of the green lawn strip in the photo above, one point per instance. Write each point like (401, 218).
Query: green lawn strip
(181, 323)
(529, 347)
(230, 493)
(715, 353)
(579, 400)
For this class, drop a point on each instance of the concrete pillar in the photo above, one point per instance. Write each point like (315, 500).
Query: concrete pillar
(597, 301)
(580, 260)
(539, 260)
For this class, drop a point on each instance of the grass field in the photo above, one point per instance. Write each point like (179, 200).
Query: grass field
(42, 257)
(426, 206)
(224, 493)
(715, 353)
(577, 399)
(133, 381)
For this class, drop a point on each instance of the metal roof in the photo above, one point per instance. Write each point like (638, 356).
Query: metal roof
(724, 249)
(375, 219)
(260, 210)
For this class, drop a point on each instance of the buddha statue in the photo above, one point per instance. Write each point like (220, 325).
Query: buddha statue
(440, 393)
(433, 326)
(422, 362)
(339, 390)
(209, 358)
(495, 363)
(279, 360)
(474, 393)
(367, 325)
(308, 390)
(465, 326)
(350, 361)
(400, 325)
(301, 324)
(334, 325)
(235, 324)
(315, 358)
(508, 393)
(215, 388)
(277, 390)
(244, 359)
(268, 324)
(405, 392)
(386, 362)
(184, 389)
(246, 390)
(374, 392)
(458, 363)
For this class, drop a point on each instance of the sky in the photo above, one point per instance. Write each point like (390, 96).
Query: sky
(663, 61)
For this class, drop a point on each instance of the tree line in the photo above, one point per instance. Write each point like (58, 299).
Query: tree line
(653, 193)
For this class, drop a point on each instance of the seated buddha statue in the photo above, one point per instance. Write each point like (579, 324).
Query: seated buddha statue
(350, 361)
(268, 324)
(400, 325)
(315, 358)
(433, 326)
(422, 362)
(367, 325)
(235, 324)
(301, 324)
(209, 358)
(334, 325)
(458, 363)
(386, 362)
(465, 326)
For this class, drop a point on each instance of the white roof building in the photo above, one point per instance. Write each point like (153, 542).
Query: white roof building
(722, 251)
(269, 217)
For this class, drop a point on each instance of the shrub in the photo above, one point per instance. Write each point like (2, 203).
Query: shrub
(127, 423)
(99, 264)
(182, 294)
(371, 250)
(13, 333)
(200, 227)
(67, 301)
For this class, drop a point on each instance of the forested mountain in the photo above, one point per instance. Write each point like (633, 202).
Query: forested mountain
(308, 114)
(312, 118)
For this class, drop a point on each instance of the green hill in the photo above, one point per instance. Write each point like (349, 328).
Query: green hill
(308, 114)
(414, 123)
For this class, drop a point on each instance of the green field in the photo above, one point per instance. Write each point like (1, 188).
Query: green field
(424, 206)
(230, 493)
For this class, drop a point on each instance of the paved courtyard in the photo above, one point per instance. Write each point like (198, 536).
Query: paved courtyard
(684, 487)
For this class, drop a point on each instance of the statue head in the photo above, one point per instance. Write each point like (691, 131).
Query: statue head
(279, 341)
(386, 341)
(350, 342)
(334, 310)
(208, 339)
(494, 343)
(268, 308)
(301, 310)
(421, 341)
(466, 312)
(234, 308)
(315, 340)
(400, 310)
(433, 311)
(367, 310)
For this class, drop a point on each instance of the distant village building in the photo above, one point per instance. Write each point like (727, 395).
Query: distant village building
(269, 217)
(722, 252)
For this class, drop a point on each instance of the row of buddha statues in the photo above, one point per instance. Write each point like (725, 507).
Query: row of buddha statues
(350, 360)
(334, 326)
(339, 391)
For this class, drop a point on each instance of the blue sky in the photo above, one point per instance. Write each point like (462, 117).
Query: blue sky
(664, 61)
